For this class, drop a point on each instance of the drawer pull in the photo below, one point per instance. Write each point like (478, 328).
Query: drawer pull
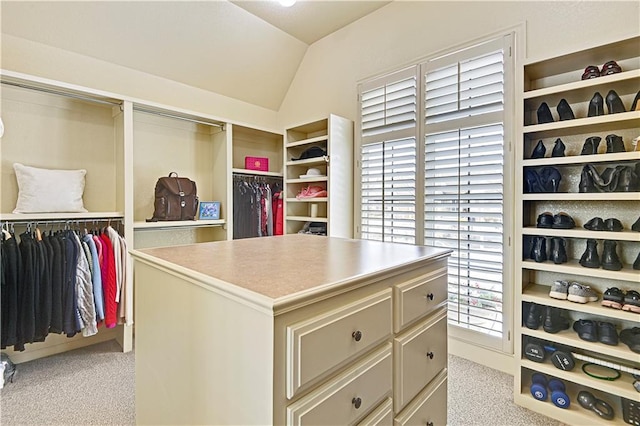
(357, 402)
(429, 296)
(357, 335)
(430, 355)
(429, 423)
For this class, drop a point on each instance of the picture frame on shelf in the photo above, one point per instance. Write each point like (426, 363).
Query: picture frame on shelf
(209, 210)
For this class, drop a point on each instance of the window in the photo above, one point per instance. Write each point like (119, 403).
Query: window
(461, 192)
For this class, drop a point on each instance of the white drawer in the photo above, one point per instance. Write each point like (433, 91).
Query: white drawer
(417, 297)
(317, 345)
(349, 396)
(419, 354)
(381, 416)
(429, 408)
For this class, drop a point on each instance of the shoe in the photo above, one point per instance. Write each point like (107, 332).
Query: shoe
(586, 329)
(636, 225)
(596, 105)
(615, 144)
(539, 150)
(558, 252)
(613, 224)
(550, 177)
(590, 258)
(590, 72)
(595, 224)
(533, 313)
(614, 103)
(632, 302)
(564, 110)
(544, 114)
(554, 321)
(559, 290)
(563, 221)
(580, 293)
(558, 148)
(610, 260)
(607, 333)
(628, 179)
(532, 182)
(636, 263)
(545, 220)
(631, 338)
(613, 298)
(539, 249)
(610, 67)
(587, 183)
(590, 146)
(635, 106)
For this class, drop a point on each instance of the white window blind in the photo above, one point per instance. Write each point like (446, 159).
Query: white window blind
(464, 180)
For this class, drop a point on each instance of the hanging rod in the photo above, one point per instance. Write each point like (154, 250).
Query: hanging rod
(61, 93)
(249, 175)
(62, 221)
(178, 117)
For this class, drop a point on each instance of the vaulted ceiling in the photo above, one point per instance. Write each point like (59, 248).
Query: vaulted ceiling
(247, 50)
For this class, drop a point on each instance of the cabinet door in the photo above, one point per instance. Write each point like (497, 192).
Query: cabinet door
(347, 398)
(319, 344)
(419, 354)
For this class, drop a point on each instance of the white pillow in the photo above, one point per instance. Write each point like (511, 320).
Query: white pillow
(49, 191)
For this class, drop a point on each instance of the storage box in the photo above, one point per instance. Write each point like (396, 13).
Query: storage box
(256, 163)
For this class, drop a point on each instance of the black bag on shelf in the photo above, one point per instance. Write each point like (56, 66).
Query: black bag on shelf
(176, 199)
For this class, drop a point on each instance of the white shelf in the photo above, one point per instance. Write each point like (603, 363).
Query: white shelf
(573, 267)
(170, 224)
(599, 124)
(25, 217)
(307, 219)
(586, 87)
(256, 172)
(539, 294)
(624, 235)
(309, 180)
(582, 159)
(307, 141)
(308, 200)
(582, 196)
(309, 161)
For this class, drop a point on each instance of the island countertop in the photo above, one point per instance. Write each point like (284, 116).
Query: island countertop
(283, 267)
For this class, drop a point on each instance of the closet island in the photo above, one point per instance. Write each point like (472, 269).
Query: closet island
(293, 329)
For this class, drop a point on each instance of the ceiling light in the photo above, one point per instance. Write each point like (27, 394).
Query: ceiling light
(287, 3)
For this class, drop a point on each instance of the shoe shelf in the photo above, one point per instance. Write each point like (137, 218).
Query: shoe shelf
(317, 161)
(582, 196)
(624, 82)
(595, 125)
(307, 141)
(573, 267)
(623, 235)
(539, 294)
(308, 219)
(308, 180)
(308, 200)
(582, 159)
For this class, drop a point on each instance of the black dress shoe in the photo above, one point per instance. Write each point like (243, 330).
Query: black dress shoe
(615, 144)
(539, 249)
(636, 225)
(550, 177)
(609, 68)
(539, 150)
(564, 110)
(563, 221)
(595, 224)
(613, 224)
(636, 264)
(554, 321)
(558, 148)
(544, 114)
(590, 258)
(596, 105)
(614, 103)
(558, 252)
(590, 146)
(545, 220)
(590, 72)
(635, 106)
(610, 260)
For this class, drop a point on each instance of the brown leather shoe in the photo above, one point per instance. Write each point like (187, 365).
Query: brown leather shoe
(610, 67)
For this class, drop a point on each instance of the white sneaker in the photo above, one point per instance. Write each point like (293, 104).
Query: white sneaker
(581, 293)
(559, 290)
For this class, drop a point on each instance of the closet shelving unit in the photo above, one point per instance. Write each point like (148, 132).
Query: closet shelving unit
(125, 144)
(550, 80)
(333, 134)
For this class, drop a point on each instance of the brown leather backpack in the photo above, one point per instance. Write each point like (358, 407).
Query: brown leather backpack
(176, 199)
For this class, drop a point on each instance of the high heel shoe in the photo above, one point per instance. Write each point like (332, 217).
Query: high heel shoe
(635, 106)
(539, 150)
(564, 110)
(544, 114)
(590, 146)
(614, 103)
(614, 144)
(558, 148)
(596, 105)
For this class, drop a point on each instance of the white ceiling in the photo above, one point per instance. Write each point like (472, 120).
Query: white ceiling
(247, 50)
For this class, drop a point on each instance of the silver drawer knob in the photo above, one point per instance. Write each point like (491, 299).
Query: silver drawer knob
(430, 355)
(357, 402)
(357, 335)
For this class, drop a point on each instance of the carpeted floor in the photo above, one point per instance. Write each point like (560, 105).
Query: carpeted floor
(96, 385)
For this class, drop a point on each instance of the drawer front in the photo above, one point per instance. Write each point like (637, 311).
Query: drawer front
(420, 354)
(429, 408)
(349, 396)
(381, 416)
(419, 296)
(317, 345)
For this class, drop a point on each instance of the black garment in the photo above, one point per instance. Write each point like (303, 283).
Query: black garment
(43, 318)
(26, 297)
(11, 277)
(69, 301)
(57, 279)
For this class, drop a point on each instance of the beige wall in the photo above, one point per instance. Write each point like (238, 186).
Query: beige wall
(404, 31)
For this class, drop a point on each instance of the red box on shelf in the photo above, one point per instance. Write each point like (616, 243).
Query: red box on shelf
(256, 163)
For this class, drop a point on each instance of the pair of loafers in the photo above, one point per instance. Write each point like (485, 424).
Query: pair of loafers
(557, 221)
(540, 150)
(592, 71)
(545, 179)
(564, 112)
(597, 224)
